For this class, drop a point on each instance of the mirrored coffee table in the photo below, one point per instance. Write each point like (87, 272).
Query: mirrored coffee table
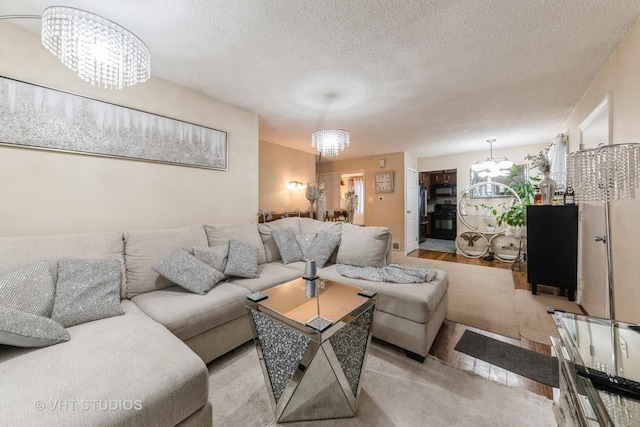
(606, 346)
(312, 348)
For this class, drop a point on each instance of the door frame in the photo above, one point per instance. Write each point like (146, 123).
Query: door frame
(410, 243)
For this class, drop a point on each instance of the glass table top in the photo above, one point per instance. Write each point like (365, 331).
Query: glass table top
(591, 341)
(335, 300)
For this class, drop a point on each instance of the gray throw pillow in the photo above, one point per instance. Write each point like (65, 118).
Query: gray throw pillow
(305, 241)
(188, 272)
(30, 289)
(87, 290)
(243, 260)
(215, 256)
(322, 247)
(21, 329)
(287, 245)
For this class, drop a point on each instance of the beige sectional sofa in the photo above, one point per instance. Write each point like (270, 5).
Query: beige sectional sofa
(147, 366)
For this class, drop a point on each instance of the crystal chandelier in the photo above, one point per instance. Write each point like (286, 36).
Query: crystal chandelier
(100, 51)
(330, 142)
(492, 167)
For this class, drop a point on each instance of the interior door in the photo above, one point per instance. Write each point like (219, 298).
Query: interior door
(412, 223)
(592, 273)
(593, 293)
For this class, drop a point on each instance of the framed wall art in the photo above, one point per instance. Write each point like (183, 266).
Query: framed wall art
(38, 117)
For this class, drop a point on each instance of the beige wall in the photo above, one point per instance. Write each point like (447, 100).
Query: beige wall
(620, 77)
(278, 166)
(388, 212)
(46, 192)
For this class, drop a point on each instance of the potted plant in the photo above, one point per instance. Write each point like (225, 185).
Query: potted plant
(514, 217)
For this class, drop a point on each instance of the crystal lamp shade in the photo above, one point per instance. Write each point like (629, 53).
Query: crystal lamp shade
(100, 51)
(610, 172)
(330, 142)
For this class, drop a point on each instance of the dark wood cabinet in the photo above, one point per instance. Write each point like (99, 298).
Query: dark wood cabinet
(552, 247)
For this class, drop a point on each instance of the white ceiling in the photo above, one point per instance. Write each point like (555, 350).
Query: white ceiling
(426, 77)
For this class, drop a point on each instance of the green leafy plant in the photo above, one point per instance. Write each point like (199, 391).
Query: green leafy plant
(489, 209)
(525, 188)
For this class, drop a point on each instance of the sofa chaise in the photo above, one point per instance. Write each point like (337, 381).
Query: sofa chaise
(146, 366)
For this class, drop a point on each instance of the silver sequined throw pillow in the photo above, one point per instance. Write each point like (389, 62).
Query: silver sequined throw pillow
(20, 329)
(321, 248)
(215, 256)
(30, 289)
(188, 272)
(87, 290)
(243, 260)
(287, 245)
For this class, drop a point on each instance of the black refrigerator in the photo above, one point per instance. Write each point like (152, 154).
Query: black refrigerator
(422, 197)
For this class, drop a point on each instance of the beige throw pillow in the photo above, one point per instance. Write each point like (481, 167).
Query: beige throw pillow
(364, 246)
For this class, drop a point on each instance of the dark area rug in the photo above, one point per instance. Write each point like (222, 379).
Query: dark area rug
(538, 367)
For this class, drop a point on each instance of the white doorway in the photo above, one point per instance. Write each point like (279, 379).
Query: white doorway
(412, 225)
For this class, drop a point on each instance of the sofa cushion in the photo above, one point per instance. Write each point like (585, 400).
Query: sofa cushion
(313, 226)
(186, 314)
(145, 248)
(125, 360)
(287, 245)
(364, 246)
(29, 289)
(219, 234)
(242, 260)
(266, 234)
(188, 272)
(271, 274)
(413, 301)
(22, 329)
(19, 252)
(86, 290)
(216, 256)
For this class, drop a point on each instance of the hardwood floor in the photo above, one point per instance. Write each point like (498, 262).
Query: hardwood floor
(450, 333)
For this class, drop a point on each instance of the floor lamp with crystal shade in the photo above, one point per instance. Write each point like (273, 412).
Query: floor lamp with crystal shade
(604, 174)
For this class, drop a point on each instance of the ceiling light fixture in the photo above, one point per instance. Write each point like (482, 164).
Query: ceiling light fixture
(492, 167)
(102, 52)
(330, 142)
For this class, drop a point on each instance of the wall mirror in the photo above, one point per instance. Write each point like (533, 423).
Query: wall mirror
(489, 191)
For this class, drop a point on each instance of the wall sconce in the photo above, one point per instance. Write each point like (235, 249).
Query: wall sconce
(294, 185)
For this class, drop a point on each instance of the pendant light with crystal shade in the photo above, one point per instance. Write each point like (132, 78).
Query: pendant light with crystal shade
(102, 52)
(330, 142)
(492, 167)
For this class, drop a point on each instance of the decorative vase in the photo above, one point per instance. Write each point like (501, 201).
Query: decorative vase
(312, 195)
(547, 188)
(321, 208)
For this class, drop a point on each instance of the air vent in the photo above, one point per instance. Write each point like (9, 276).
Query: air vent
(396, 245)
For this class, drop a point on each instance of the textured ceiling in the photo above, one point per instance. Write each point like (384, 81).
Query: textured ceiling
(427, 77)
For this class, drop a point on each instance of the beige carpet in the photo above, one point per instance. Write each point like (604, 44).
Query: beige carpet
(484, 297)
(396, 391)
(534, 321)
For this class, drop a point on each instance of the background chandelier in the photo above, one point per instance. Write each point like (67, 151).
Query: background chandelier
(102, 52)
(330, 142)
(492, 167)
